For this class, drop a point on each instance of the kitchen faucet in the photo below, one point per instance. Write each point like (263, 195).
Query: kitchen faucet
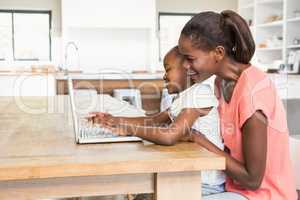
(66, 55)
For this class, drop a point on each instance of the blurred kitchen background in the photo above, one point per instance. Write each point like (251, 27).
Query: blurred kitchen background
(120, 44)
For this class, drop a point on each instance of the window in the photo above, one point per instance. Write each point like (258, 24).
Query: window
(25, 35)
(170, 26)
(5, 35)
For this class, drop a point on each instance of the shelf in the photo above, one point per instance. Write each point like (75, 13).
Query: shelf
(273, 19)
(269, 49)
(271, 24)
(293, 46)
(270, 2)
(296, 19)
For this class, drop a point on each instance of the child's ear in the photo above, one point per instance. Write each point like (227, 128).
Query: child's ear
(219, 53)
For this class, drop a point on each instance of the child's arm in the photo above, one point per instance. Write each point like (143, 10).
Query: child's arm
(161, 118)
(164, 135)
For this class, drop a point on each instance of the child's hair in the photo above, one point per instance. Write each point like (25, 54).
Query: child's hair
(175, 51)
(208, 30)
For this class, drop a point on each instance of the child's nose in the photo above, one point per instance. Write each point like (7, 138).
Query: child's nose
(165, 77)
(186, 64)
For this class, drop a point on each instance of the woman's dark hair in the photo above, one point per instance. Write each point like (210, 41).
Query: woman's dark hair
(207, 30)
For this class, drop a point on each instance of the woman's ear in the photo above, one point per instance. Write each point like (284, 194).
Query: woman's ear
(219, 53)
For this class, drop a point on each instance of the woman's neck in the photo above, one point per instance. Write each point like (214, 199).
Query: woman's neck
(231, 70)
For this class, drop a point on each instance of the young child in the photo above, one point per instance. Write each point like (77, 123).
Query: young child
(193, 110)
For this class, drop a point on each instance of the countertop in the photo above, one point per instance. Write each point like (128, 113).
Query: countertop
(113, 76)
(79, 75)
(139, 76)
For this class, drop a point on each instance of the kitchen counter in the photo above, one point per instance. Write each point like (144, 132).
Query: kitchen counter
(79, 75)
(150, 85)
(112, 76)
(26, 73)
(283, 74)
(29, 72)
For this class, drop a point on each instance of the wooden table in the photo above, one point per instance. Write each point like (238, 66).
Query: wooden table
(39, 159)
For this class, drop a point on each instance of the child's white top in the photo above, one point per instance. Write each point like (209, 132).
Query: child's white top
(202, 96)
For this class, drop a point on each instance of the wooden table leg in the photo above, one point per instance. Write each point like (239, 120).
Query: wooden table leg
(178, 186)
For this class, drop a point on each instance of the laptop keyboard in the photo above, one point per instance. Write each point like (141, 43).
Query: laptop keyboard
(95, 132)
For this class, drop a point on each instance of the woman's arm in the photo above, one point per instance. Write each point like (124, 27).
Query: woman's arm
(165, 135)
(254, 144)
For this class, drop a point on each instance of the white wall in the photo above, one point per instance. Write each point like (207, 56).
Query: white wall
(195, 6)
(110, 36)
(128, 47)
(110, 48)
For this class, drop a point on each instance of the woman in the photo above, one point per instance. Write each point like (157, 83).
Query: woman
(253, 122)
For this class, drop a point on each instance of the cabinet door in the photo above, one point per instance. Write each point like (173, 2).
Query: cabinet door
(288, 86)
(27, 85)
(7, 85)
(294, 87)
(109, 14)
(281, 84)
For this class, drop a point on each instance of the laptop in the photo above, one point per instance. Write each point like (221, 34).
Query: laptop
(87, 133)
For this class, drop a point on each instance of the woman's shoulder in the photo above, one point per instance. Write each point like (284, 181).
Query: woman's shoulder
(254, 79)
(254, 74)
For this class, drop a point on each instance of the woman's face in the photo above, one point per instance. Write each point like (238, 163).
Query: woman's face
(175, 76)
(197, 60)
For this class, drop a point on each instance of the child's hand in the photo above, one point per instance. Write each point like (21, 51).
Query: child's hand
(101, 118)
(119, 130)
(187, 138)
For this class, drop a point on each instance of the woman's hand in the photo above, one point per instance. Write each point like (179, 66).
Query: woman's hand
(102, 118)
(201, 139)
(198, 137)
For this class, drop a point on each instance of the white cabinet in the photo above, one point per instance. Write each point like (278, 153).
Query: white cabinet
(275, 25)
(295, 149)
(109, 14)
(27, 85)
(288, 86)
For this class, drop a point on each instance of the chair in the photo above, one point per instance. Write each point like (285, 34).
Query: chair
(166, 100)
(294, 151)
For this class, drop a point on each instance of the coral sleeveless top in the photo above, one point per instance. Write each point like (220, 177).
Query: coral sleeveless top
(255, 91)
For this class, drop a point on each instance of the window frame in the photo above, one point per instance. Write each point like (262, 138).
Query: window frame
(168, 14)
(12, 11)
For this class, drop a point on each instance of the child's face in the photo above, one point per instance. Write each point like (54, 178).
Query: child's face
(175, 75)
